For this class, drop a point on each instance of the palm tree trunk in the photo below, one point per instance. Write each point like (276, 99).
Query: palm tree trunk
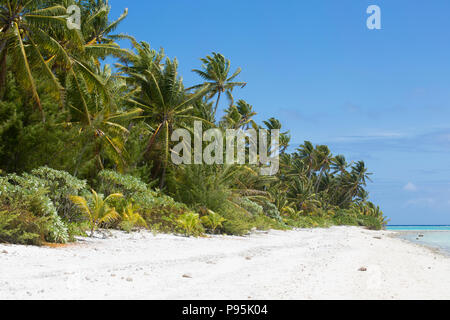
(3, 69)
(163, 178)
(217, 104)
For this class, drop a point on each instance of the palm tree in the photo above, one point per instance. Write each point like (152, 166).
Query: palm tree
(285, 137)
(97, 27)
(99, 211)
(216, 71)
(162, 96)
(339, 164)
(323, 161)
(101, 119)
(24, 26)
(307, 154)
(239, 116)
(247, 114)
(355, 181)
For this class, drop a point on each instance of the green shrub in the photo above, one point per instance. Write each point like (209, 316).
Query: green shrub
(60, 186)
(271, 210)
(97, 209)
(307, 222)
(237, 223)
(20, 227)
(213, 221)
(28, 194)
(190, 224)
(131, 219)
(159, 211)
(201, 186)
(113, 182)
(372, 223)
(251, 207)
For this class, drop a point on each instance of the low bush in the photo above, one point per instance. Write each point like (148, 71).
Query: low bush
(159, 211)
(251, 207)
(189, 223)
(212, 221)
(60, 186)
(27, 197)
(131, 219)
(21, 227)
(97, 209)
(271, 210)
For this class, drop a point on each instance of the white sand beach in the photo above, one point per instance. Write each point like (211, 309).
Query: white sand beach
(302, 264)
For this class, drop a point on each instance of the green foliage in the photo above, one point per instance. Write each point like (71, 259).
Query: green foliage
(28, 194)
(239, 222)
(20, 227)
(97, 209)
(159, 211)
(212, 221)
(204, 186)
(61, 108)
(271, 210)
(190, 224)
(110, 181)
(60, 186)
(251, 207)
(131, 219)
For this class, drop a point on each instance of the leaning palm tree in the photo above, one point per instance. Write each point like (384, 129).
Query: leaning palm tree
(166, 104)
(97, 27)
(239, 116)
(308, 154)
(24, 37)
(247, 114)
(100, 119)
(285, 137)
(98, 211)
(216, 71)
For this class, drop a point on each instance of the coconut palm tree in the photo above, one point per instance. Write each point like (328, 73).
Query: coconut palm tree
(339, 164)
(239, 116)
(323, 161)
(215, 71)
(307, 154)
(24, 26)
(98, 211)
(166, 104)
(96, 27)
(101, 119)
(285, 137)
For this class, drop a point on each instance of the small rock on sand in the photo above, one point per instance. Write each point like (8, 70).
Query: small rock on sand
(187, 275)
(362, 269)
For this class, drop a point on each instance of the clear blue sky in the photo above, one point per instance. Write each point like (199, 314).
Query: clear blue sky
(382, 96)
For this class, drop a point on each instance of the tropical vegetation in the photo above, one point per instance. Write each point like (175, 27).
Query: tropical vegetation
(87, 145)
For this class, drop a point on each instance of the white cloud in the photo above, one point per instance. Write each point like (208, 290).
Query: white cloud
(421, 202)
(410, 187)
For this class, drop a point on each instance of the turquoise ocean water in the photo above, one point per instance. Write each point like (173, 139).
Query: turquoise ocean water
(432, 236)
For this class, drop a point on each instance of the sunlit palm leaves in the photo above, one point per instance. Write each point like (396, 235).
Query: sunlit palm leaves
(215, 71)
(22, 23)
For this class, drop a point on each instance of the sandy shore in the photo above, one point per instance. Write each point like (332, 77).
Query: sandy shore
(303, 264)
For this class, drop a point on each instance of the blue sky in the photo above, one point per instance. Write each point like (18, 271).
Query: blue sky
(382, 96)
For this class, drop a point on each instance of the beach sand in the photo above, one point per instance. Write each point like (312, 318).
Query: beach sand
(301, 264)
